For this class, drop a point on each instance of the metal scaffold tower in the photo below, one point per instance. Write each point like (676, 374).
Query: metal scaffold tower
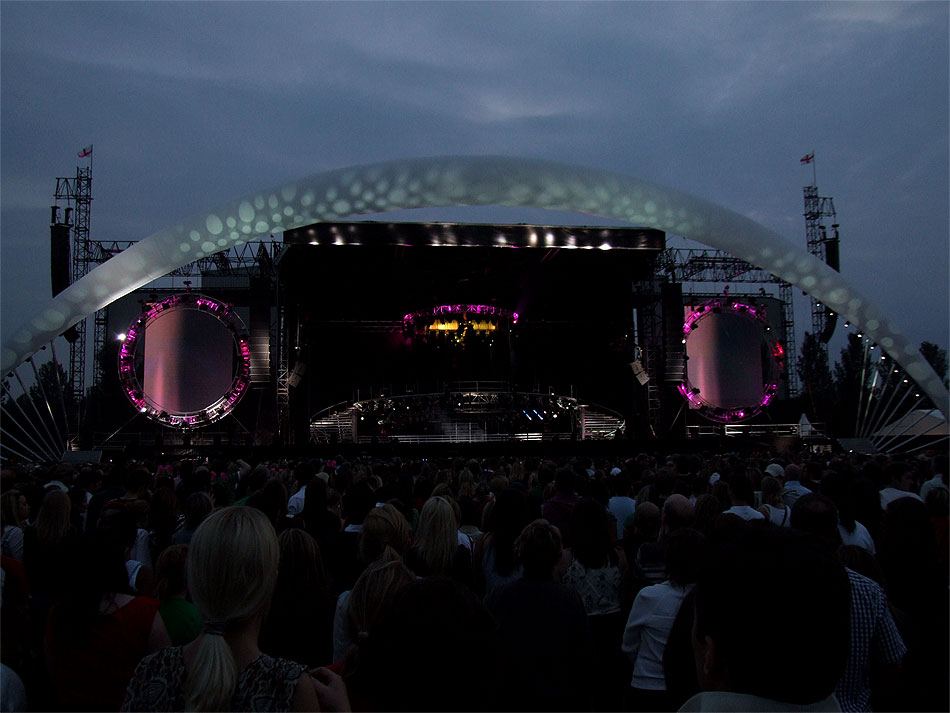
(819, 210)
(76, 193)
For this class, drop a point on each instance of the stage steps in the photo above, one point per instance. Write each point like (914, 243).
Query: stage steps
(598, 424)
(337, 426)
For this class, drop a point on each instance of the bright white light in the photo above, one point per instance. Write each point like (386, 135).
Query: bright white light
(605, 246)
(120, 337)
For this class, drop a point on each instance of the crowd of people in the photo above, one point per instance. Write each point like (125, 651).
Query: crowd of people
(805, 581)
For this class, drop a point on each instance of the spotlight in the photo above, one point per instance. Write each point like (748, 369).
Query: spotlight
(120, 337)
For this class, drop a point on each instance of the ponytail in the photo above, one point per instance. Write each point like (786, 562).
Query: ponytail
(232, 568)
(212, 678)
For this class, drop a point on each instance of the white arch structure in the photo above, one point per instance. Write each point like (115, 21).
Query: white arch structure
(464, 180)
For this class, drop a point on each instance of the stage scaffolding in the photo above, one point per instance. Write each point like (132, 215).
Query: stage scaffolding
(689, 265)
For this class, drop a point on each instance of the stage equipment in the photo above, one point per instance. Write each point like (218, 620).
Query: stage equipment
(459, 323)
(734, 361)
(186, 361)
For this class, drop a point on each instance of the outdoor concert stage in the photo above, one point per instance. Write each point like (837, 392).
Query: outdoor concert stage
(376, 334)
(384, 310)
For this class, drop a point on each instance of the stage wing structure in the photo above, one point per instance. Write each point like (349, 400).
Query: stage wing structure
(466, 180)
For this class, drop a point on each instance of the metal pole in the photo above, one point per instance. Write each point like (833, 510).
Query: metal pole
(36, 410)
(15, 452)
(884, 386)
(890, 437)
(928, 445)
(867, 406)
(36, 456)
(864, 363)
(888, 410)
(27, 432)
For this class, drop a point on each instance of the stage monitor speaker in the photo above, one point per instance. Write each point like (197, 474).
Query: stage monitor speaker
(639, 372)
(59, 257)
(260, 330)
(296, 374)
(831, 321)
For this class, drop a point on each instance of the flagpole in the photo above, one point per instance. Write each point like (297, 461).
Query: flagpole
(814, 169)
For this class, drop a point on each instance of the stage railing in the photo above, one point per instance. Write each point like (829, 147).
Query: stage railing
(477, 399)
(480, 438)
(813, 430)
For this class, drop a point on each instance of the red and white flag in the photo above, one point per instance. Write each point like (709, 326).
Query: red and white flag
(88, 152)
(805, 159)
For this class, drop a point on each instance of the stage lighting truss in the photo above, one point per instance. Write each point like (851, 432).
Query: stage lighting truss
(775, 368)
(459, 322)
(185, 420)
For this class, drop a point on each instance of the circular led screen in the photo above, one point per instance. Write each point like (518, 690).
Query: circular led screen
(185, 361)
(733, 362)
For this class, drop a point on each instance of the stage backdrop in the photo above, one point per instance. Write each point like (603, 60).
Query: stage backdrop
(189, 360)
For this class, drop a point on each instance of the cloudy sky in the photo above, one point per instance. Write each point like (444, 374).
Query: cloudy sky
(189, 105)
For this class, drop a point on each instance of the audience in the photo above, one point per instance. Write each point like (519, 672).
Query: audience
(374, 589)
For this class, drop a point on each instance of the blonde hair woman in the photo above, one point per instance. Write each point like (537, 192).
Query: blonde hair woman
(384, 528)
(385, 536)
(374, 591)
(232, 568)
(436, 549)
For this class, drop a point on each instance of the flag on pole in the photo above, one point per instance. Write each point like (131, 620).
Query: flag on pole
(805, 159)
(88, 152)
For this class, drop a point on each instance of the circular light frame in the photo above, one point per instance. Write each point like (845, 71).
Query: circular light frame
(186, 420)
(776, 364)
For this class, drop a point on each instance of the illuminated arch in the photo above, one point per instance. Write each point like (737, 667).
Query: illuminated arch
(450, 181)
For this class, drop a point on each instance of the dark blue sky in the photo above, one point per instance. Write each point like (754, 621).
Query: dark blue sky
(192, 104)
